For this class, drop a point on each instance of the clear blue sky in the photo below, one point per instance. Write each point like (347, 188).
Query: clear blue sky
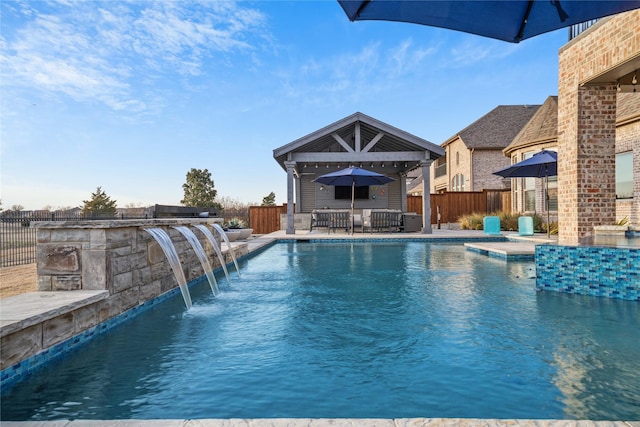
(130, 96)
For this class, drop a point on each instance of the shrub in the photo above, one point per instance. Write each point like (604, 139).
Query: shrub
(554, 228)
(508, 221)
(471, 222)
(234, 223)
(623, 221)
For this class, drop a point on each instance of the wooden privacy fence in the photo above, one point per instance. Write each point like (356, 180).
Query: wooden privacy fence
(457, 203)
(266, 219)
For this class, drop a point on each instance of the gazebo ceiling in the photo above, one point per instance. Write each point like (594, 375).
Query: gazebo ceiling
(359, 139)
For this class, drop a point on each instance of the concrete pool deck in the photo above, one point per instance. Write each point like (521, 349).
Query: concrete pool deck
(23, 310)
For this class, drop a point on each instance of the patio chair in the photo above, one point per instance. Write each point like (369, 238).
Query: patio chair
(319, 220)
(357, 222)
(525, 226)
(340, 220)
(395, 221)
(491, 225)
(366, 219)
(379, 220)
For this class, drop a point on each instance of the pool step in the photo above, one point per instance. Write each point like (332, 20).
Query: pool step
(508, 251)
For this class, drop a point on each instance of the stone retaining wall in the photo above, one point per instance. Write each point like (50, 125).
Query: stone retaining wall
(115, 256)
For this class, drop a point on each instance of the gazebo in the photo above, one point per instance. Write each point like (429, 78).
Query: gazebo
(356, 140)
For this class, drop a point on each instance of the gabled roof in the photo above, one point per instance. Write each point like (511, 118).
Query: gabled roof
(496, 129)
(358, 137)
(541, 129)
(543, 126)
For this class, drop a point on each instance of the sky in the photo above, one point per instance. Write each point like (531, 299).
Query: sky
(130, 96)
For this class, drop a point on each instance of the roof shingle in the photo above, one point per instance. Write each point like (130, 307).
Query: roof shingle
(496, 129)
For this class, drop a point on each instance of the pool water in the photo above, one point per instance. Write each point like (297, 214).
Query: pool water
(363, 330)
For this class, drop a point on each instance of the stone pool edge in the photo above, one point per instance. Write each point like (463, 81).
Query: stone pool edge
(321, 422)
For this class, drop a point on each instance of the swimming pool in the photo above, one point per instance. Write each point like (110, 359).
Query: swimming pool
(375, 330)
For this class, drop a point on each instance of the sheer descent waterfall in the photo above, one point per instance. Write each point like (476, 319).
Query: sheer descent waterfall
(215, 245)
(169, 250)
(199, 250)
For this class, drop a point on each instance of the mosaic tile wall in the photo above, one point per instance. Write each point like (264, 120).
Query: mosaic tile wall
(588, 270)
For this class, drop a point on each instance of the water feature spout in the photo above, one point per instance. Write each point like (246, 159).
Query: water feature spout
(169, 250)
(226, 239)
(199, 250)
(215, 245)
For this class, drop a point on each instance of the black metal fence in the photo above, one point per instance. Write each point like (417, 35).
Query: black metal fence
(576, 29)
(18, 235)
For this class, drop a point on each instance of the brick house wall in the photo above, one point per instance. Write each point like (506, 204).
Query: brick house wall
(628, 139)
(586, 124)
(459, 158)
(485, 163)
(477, 167)
(517, 198)
(441, 182)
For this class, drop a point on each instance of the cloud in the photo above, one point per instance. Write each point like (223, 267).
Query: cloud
(357, 76)
(476, 50)
(116, 53)
(407, 58)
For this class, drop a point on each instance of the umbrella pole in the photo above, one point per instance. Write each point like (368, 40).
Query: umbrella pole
(546, 180)
(353, 192)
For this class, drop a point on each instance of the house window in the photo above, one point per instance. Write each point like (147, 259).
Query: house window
(552, 194)
(624, 175)
(344, 192)
(457, 158)
(515, 188)
(529, 188)
(551, 198)
(458, 183)
(441, 166)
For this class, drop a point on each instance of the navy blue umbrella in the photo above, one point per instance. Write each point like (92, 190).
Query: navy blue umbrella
(353, 177)
(508, 20)
(541, 165)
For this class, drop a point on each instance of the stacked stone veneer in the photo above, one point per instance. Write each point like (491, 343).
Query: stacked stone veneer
(586, 124)
(119, 257)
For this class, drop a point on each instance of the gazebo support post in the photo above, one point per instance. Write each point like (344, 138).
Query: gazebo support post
(426, 199)
(290, 203)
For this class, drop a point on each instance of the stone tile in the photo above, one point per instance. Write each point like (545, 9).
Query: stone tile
(54, 258)
(20, 345)
(58, 329)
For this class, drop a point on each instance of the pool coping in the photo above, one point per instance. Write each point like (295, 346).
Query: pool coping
(323, 422)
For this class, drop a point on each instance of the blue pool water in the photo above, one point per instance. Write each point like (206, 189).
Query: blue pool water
(355, 330)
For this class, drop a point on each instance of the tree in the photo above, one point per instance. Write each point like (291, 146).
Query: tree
(17, 208)
(269, 200)
(99, 205)
(199, 190)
